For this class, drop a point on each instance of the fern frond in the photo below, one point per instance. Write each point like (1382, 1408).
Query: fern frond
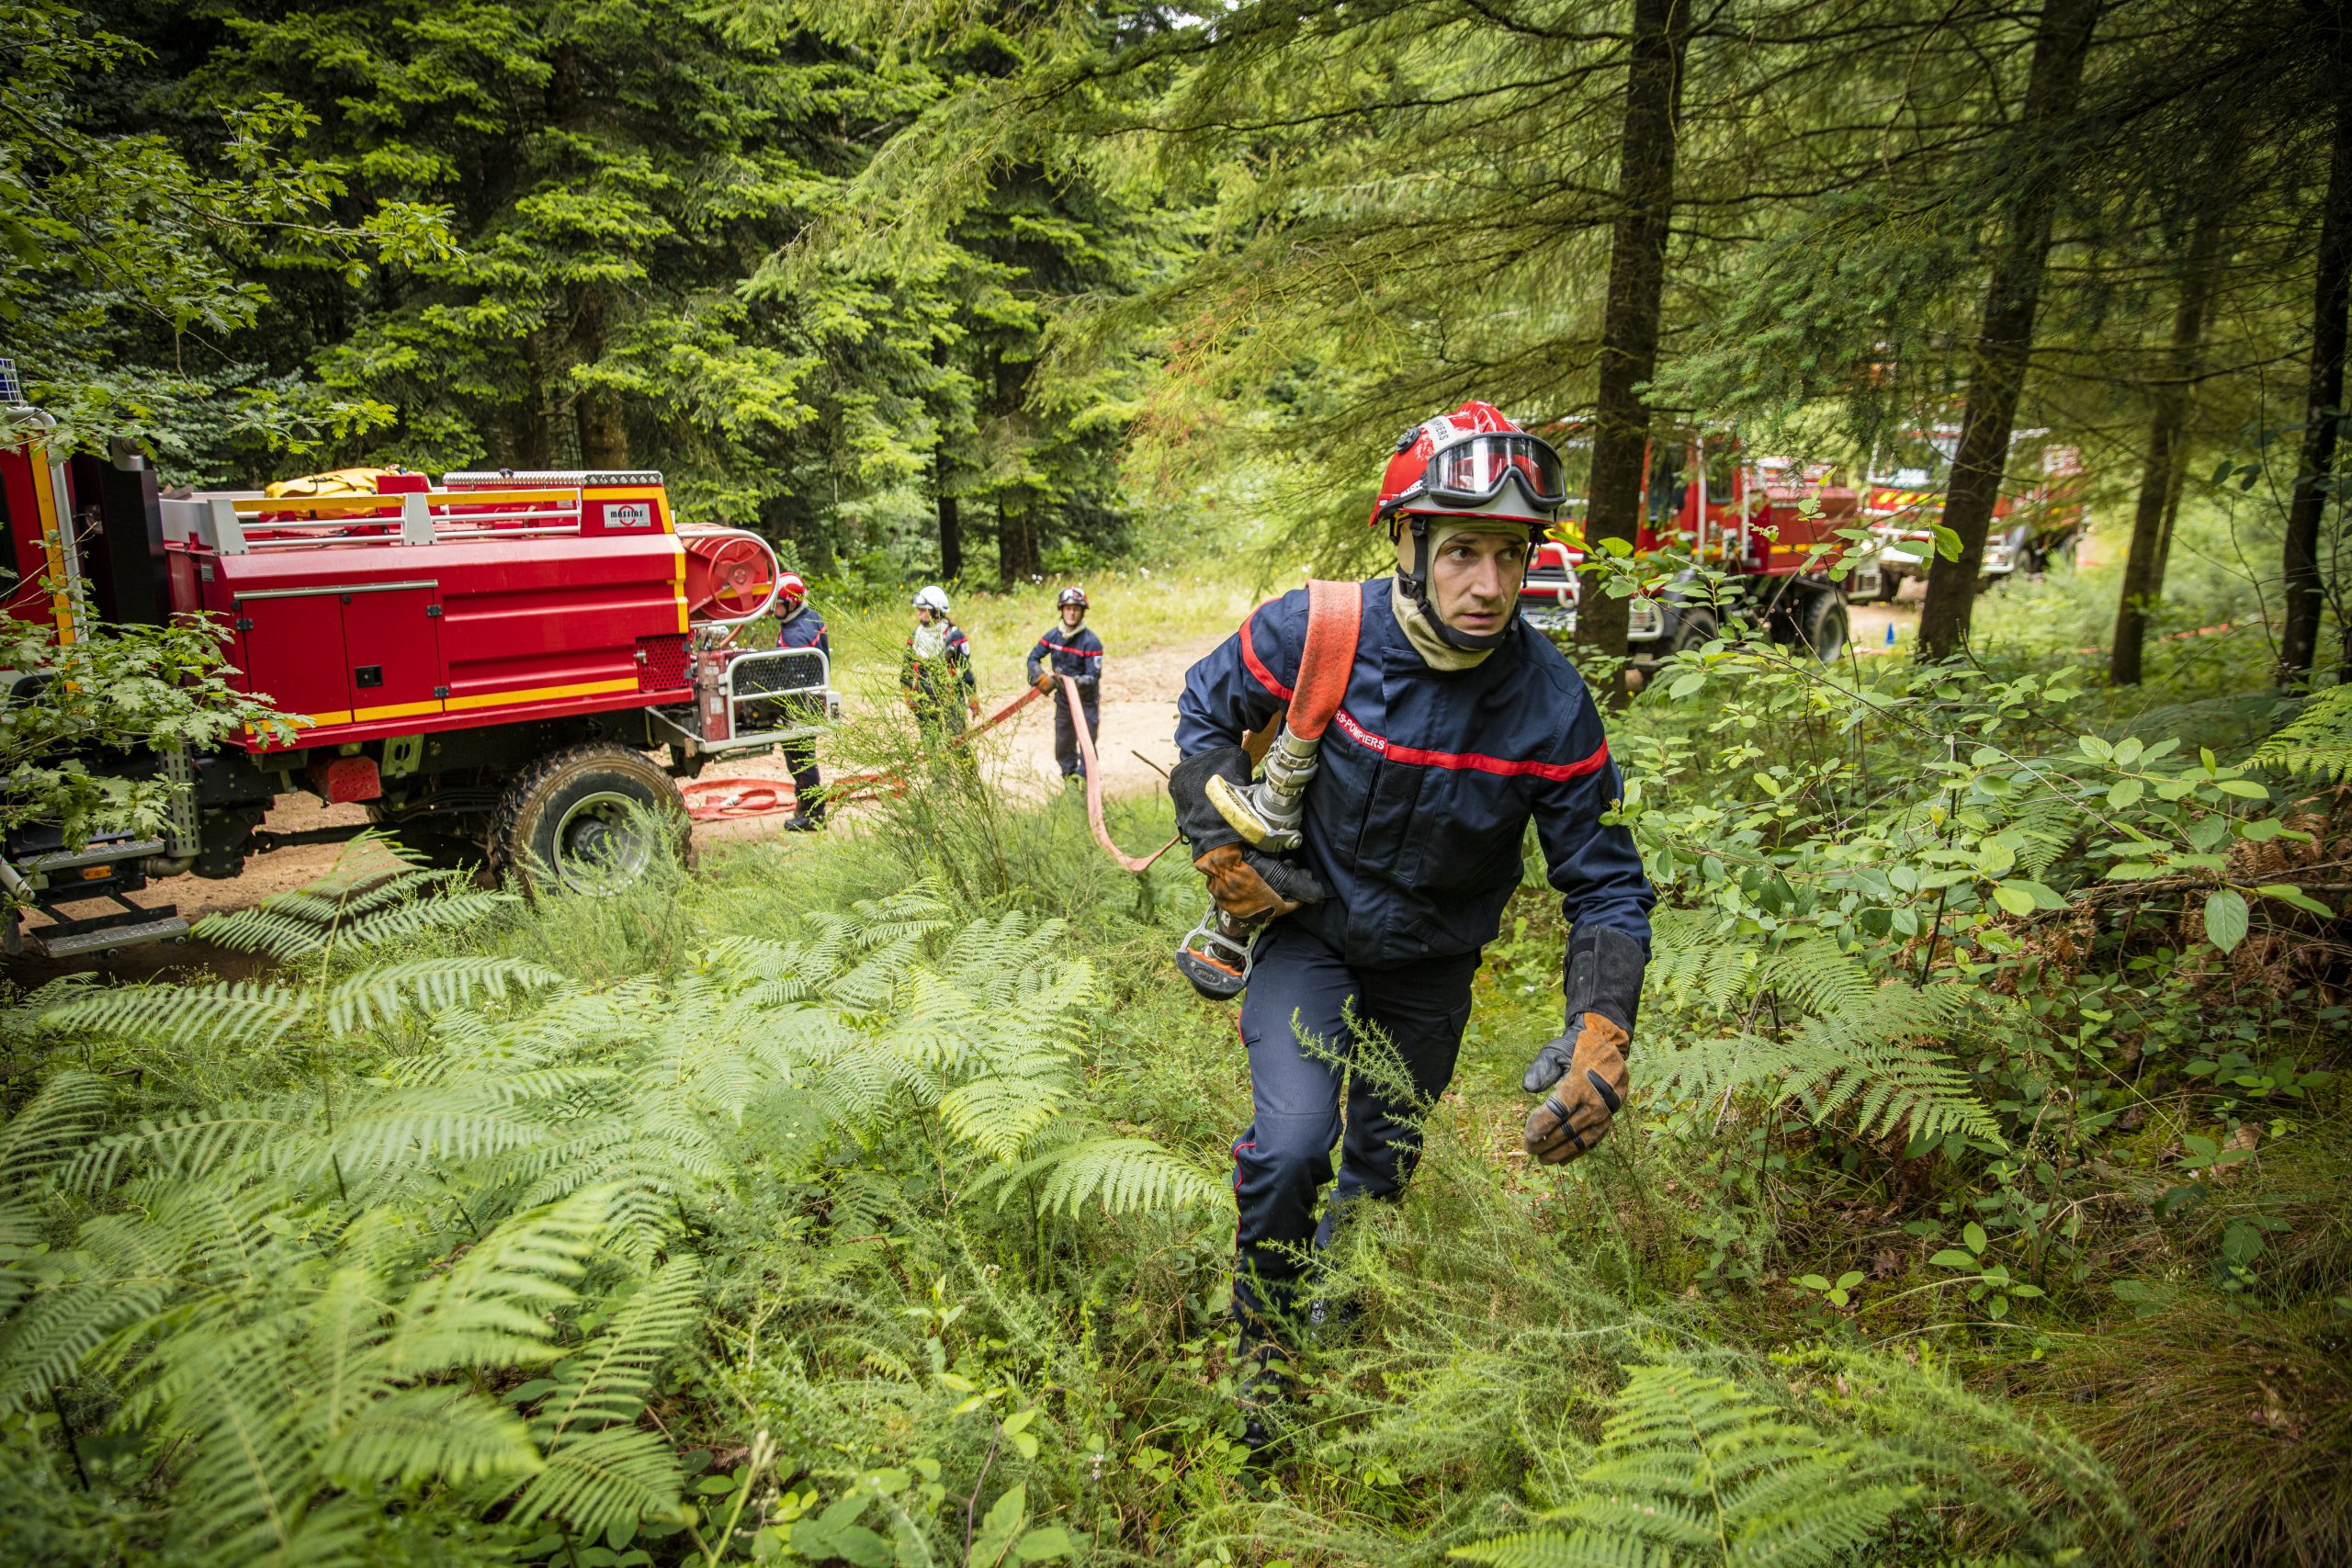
(192, 1144)
(234, 1012)
(1817, 975)
(1000, 1114)
(1127, 1174)
(432, 1433)
(68, 1312)
(604, 1479)
(62, 1114)
(2317, 743)
(467, 1120)
(1552, 1548)
(493, 1304)
(278, 931)
(1692, 1466)
(604, 1383)
(451, 911)
(383, 993)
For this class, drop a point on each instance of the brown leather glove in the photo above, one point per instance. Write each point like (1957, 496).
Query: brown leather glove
(1044, 682)
(1252, 886)
(1592, 1078)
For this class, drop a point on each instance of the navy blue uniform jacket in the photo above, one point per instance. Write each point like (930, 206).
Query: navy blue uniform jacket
(917, 676)
(806, 629)
(1077, 654)
(1428, 778)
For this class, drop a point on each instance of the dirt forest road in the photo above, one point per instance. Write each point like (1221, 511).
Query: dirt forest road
(1136, 745)
(1138, 716)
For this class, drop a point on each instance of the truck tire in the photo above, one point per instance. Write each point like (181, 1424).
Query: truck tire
(591, 818)
(1695, 629)
(1821, 626)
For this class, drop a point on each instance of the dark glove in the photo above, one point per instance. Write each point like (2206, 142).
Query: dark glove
(1586, 1060)
(1204, 827)
(1252, 886)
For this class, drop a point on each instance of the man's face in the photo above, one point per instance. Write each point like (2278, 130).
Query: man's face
(923, 615)
(1072, 614)
(1473, 574)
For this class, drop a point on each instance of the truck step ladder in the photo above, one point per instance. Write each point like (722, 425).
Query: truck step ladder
(101, 933)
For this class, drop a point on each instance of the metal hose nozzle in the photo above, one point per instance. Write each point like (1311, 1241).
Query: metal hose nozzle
(1266, 813)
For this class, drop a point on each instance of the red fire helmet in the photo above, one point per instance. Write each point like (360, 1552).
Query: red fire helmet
(791, 592)
(1472, 462)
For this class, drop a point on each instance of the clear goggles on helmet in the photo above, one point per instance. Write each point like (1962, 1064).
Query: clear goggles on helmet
(1473, 471)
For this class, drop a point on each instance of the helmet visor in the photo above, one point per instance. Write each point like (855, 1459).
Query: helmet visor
(1473, 471)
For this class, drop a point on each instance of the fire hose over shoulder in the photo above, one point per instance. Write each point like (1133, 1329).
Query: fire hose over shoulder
(1266, 814)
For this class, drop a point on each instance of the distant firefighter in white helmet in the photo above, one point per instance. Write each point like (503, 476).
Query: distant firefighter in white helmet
(936, 674)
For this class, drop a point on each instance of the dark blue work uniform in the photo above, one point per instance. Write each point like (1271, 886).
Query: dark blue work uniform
(1079, 655)
(1415, 822)
(805, 629)
(939, 690)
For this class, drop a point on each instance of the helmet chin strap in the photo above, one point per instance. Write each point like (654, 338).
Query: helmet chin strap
(1416, 584)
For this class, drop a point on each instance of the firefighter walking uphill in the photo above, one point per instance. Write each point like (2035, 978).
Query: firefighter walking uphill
(1456, 727)
(1070, 648)
(799, 626)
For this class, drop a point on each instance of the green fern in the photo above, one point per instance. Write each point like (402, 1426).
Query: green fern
(293, 1289)
(376, 893)
(231, 1012)
(1854, 1050)
(1692, 1469)
(2317, 743)
(601, 1470)
(1124, 1175)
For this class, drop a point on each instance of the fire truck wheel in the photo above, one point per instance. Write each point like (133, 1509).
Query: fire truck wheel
(591, 819)
(1821, 626)
(1693, 629)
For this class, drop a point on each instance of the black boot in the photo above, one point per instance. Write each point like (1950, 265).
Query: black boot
(1331, 1320)
(1265, 1381)
(801, 822)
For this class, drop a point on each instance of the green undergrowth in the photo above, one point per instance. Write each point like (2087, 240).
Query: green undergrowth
(862, 1198)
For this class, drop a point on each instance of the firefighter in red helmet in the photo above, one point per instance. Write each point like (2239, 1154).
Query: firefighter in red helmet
(799, 626)
(1457, 726)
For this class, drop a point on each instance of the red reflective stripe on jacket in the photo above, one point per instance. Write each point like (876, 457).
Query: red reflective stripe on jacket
(1507, 766)
(1249, 657)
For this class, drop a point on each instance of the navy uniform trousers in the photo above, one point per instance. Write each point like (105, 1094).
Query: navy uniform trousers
(1295, 1025)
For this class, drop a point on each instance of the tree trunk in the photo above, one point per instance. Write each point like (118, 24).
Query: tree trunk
(2323, 404)
(1629, 327)
(603, 438)
(2174, 487)
(951, 536)
(1016, 544)
(2005, 340)
(2144, 569)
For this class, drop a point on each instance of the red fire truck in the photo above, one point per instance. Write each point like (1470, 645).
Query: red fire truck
(2033, 523)
(522, 663)
(1701, 496)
